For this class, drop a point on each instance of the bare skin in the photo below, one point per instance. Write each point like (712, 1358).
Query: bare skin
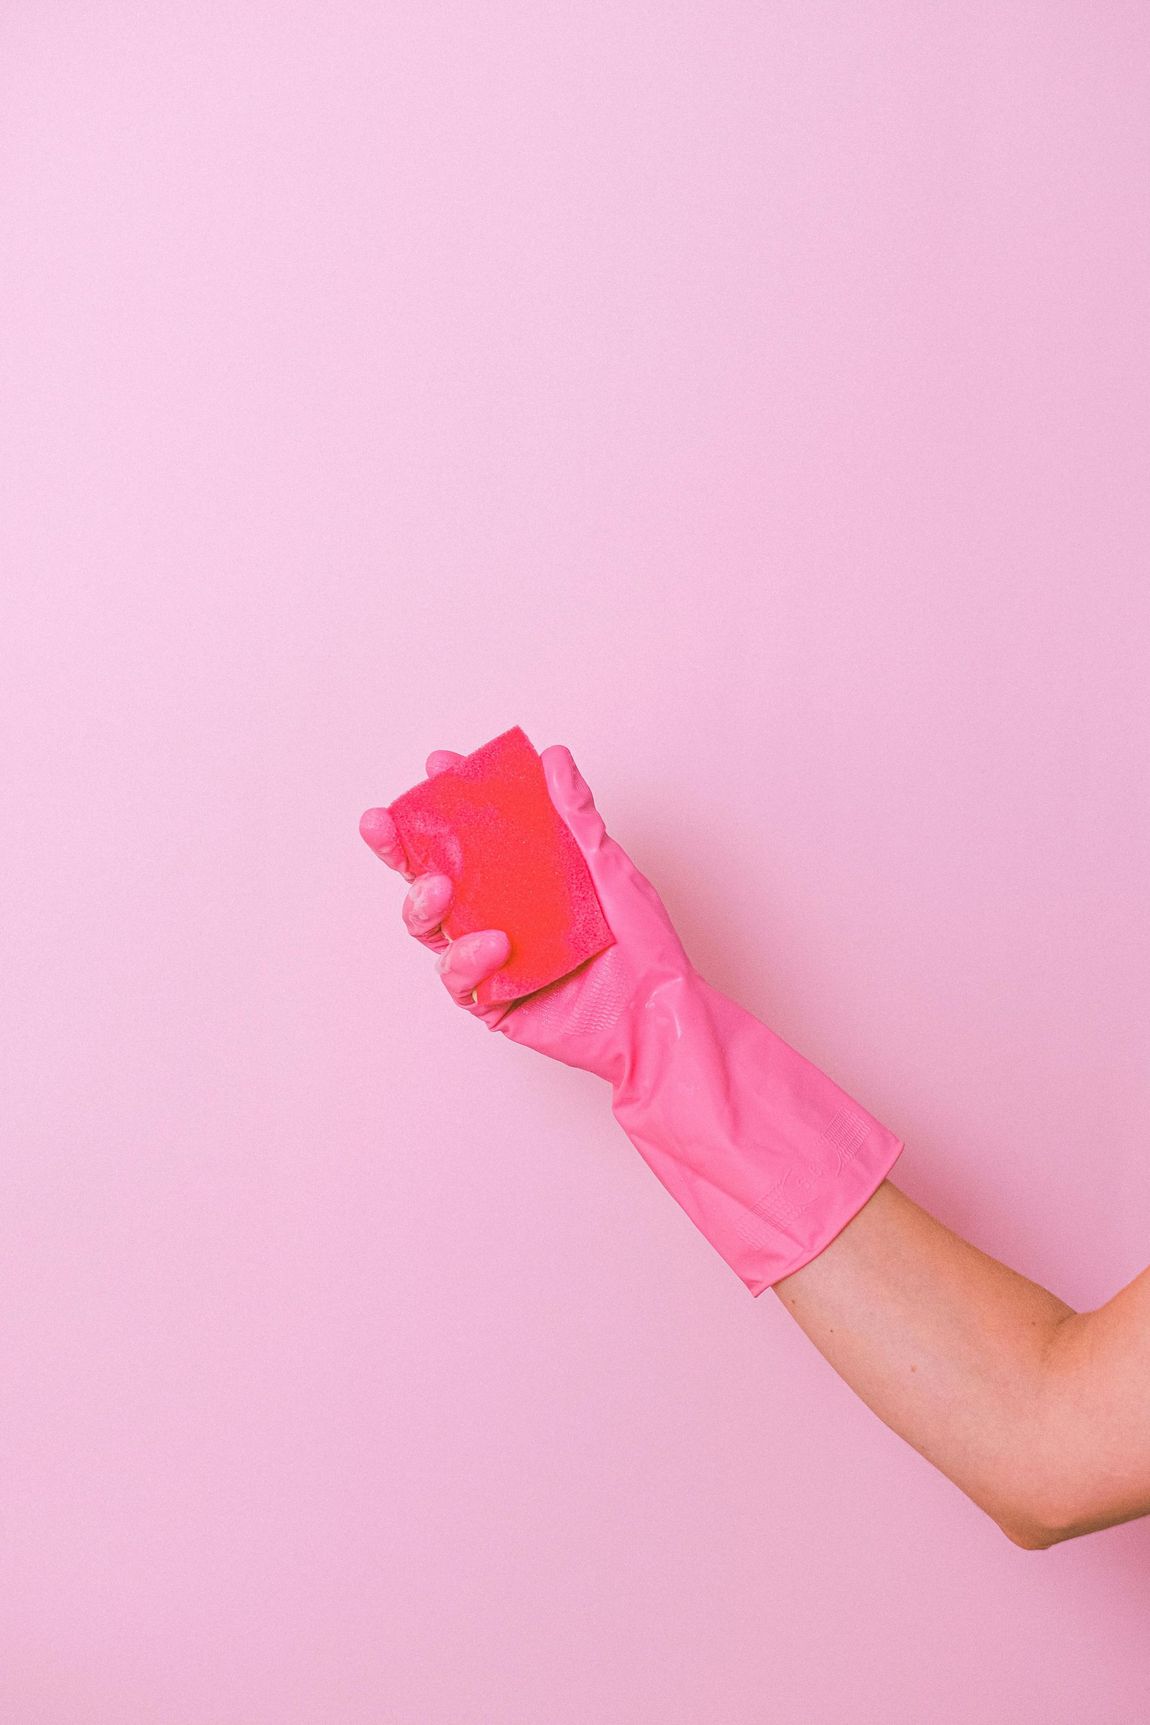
(1040, 1414)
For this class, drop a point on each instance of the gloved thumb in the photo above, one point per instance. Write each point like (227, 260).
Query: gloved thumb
(626, 895)
(571, 795)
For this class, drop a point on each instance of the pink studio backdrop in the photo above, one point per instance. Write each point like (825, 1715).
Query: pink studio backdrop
(754, 398)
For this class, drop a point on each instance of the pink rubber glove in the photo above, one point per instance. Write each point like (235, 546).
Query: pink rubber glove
(768, 1157)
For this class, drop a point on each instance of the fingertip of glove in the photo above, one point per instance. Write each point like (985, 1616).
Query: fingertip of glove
(376, 827)
(565, 777)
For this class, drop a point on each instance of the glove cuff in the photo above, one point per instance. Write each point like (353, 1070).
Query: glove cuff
(767, 1155)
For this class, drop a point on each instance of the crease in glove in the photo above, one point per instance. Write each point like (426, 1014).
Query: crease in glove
(488, 823)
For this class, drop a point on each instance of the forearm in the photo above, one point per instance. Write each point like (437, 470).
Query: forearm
(946, 1345)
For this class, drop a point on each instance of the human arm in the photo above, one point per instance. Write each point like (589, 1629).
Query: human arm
(1040, 1414)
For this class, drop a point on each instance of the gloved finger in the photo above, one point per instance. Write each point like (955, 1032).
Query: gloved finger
(571, 795)
(466, 961)
(377, 830)
(425, 907)
(616, 878)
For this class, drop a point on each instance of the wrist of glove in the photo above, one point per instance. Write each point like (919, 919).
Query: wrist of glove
(764, 1152)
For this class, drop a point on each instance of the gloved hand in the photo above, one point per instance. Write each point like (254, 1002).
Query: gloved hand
(768, 1157)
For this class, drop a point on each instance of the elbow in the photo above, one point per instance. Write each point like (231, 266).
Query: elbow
(1037, 1520)
(1031, 1535)
(1038, 1517)
(1037, 1533)
(1047, 1513)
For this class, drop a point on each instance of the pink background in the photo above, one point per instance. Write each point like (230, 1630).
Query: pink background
(754, 398)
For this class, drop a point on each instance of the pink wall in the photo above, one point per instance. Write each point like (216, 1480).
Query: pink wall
(754, 398)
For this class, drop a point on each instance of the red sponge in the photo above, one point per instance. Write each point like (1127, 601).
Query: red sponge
(489, 823)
